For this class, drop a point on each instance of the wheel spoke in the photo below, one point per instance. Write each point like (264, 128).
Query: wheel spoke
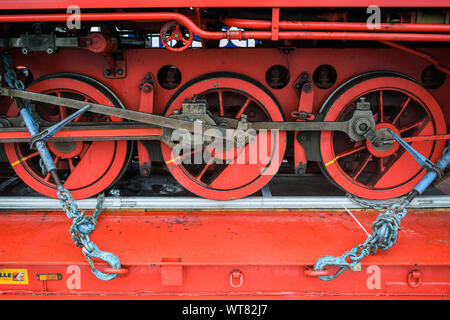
(381, 107)
(184, 156)
(221, 107)
(71, 164)
(205, 168)
(402, 108)
(414, 125)
(361, 167)
(62, 110)
(184, 39)
(381, 164)
(242, 110)
(77, 119)
(351, 151)
(31, 156)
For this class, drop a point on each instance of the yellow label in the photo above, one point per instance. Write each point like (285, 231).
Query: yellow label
(13, 276)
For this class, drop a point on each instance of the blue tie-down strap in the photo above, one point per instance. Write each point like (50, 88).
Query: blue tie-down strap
(434, 171)
(90, 250)
(442, 163)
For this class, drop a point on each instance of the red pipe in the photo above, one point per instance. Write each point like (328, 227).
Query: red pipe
(231, 34)
(363, 36)
(423, 55)
(335, 26)
(138, 16)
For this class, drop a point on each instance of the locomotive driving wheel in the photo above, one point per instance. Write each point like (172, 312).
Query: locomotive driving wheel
(238, 171)
(398, 103)
(86, 167)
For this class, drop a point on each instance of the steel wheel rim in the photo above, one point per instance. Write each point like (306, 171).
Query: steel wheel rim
(82, 184)
(227, 86)
(333, 159)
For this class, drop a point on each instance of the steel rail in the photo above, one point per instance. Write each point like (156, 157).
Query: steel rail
(194, 203)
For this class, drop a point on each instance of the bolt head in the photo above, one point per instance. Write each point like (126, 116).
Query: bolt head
(307, 88)
(363, 127)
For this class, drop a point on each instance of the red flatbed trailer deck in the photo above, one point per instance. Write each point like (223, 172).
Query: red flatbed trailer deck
(223, 255)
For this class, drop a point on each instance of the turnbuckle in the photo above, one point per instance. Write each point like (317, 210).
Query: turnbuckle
(434, 171)
(423, 161)
(46, 134)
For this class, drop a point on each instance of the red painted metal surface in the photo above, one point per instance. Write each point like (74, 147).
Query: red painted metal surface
(226, 254)
(63, 4)
(336, 26)
(348, 63)
(423, 55)
(231, 34)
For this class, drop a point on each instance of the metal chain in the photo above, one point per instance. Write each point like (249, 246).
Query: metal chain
(384, 236)
(82, 225)
(9, 75)
(374, 204)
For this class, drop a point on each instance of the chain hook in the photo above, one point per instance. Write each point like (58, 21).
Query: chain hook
(341, 262)
(90, 250)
